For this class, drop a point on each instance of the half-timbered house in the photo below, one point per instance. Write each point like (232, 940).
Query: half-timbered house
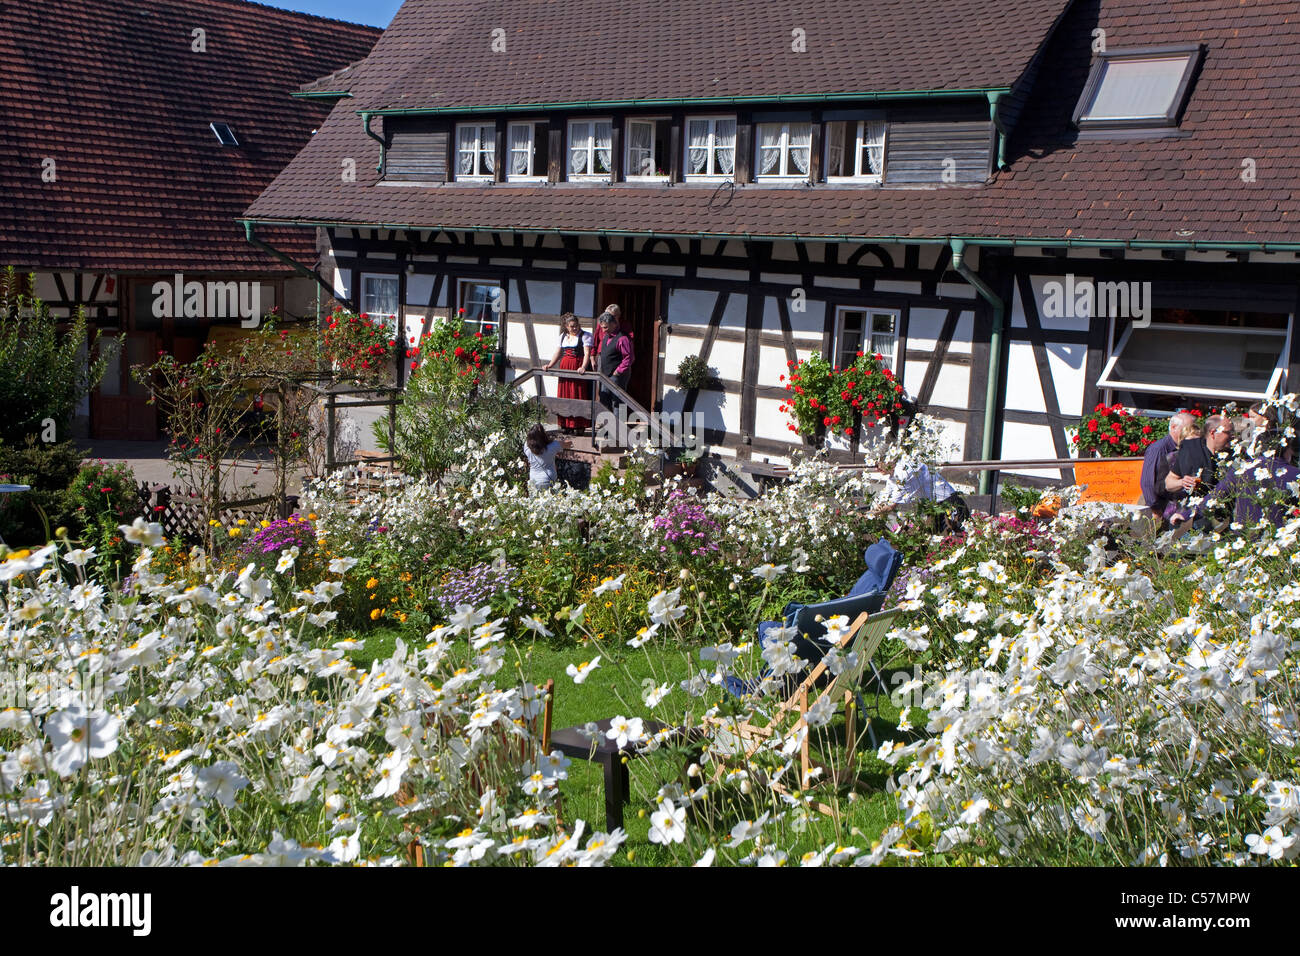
(133, 134)
(1026, 206)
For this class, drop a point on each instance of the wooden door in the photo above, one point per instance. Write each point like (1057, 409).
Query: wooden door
(639, 300)
(120, 409)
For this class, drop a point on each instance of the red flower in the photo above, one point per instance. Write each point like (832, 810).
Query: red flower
(1092, 425)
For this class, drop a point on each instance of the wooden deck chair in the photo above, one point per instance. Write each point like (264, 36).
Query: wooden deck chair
(863, 637)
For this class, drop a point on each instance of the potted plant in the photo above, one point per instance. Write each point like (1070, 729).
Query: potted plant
(832, 405)
(1109, 445)
(687, 463)
(694, 372)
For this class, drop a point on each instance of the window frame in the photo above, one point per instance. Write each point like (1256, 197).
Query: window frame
(1106, 381)
(858, 176)
(533, 176)
(627, 150)
(499, 322)
(593, 121)
(1096, 76)
(479, 152)
(366, 277)
(869, 312)
(712, 120)
(785, 149)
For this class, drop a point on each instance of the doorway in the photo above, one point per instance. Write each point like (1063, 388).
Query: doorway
(639, 300)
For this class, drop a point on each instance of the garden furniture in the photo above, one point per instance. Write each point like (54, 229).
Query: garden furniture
(859, 645)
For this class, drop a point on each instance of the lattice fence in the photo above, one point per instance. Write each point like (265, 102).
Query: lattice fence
(182, 516)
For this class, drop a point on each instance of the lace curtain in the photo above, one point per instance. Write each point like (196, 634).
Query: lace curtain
(835, 149)
(769, 149)
(698, 141)
(873, 147)
(466, 148)
(604, 154)
(521, 148)
(640, 149)
(579, 147)
(724, 139)
(800, 146)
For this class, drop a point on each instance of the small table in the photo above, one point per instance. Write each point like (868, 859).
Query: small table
(9, 490)
(573, 742)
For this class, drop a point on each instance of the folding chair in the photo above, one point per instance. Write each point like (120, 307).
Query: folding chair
(863, 639)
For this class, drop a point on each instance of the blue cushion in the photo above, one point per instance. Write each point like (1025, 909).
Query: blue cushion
(883, 563)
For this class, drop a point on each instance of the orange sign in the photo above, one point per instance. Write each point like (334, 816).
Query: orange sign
(1112, 480)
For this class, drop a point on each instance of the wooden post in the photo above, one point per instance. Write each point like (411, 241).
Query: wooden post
(331, 422)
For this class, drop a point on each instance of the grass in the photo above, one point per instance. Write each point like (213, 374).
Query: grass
(616, 687)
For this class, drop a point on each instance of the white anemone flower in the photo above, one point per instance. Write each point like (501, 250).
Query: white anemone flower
(582, 671)
(146, 533)
(78, 736)
(668, 824)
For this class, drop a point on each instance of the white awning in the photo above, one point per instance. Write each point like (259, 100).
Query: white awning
(1200, 360)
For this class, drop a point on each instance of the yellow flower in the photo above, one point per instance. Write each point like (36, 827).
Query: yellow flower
(266, 524)
(233, 532)
(376, 614)
(372, 583)
(311, 516)
(241, 522)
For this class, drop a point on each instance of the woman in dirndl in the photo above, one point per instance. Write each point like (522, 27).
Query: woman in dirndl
(572, 354)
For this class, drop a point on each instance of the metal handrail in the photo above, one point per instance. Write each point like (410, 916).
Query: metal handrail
(540, 372)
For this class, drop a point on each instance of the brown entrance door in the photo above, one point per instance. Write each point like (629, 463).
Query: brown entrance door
(120, 409)
(639, 300)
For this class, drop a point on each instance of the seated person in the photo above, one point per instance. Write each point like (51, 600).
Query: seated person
(1196, 470)
(1260, 488)
(1156, 464)
(540, 450)
(913, 481)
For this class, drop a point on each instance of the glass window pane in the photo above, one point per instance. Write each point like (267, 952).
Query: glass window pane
(1137, 88)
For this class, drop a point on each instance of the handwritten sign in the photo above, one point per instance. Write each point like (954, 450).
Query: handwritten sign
(1116, 481)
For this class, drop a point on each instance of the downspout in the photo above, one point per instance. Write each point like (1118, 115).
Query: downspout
(995, 355)
(368, 118)
(249, 234)
(994, 96)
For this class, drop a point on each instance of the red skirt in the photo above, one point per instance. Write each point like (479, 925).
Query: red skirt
(573, 388)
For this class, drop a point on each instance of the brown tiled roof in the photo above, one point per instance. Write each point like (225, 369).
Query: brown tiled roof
(564, 51)
(337, 82)
(113, 93)
(1245, 104)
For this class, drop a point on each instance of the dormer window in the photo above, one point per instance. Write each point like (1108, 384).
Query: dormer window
(476, 151)
(590, 149)
(855, 149)
(710, 146)
(784, 150)
(1137, 89)
(526, 161)
(647, 148)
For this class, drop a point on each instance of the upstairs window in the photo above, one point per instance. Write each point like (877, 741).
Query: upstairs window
(711, 146)
(1136, 89)
(855, 150)
(647, 148)
(784, 149)
(476, 152)
(590, 151)
(525, 157)
(482, 305)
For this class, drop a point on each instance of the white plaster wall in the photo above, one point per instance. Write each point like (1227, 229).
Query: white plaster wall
(693, 307)
(544, 298)
(770, 422)
(952, 388)
(1029, 441)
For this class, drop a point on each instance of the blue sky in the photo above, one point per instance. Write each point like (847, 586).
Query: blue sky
(374, 12)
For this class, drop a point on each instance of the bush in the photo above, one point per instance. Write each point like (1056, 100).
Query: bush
(103, 497)
(51, 470)
(43, 373)
(694, 372)
(449, 404)
(828, 397)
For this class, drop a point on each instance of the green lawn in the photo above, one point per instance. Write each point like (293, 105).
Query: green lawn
(616, 688)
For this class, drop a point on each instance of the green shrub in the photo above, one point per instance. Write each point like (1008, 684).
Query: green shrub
(43, 372)
(50, 470)
(694, 372)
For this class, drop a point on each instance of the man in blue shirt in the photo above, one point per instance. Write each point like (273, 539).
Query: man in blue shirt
(1155, 465)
